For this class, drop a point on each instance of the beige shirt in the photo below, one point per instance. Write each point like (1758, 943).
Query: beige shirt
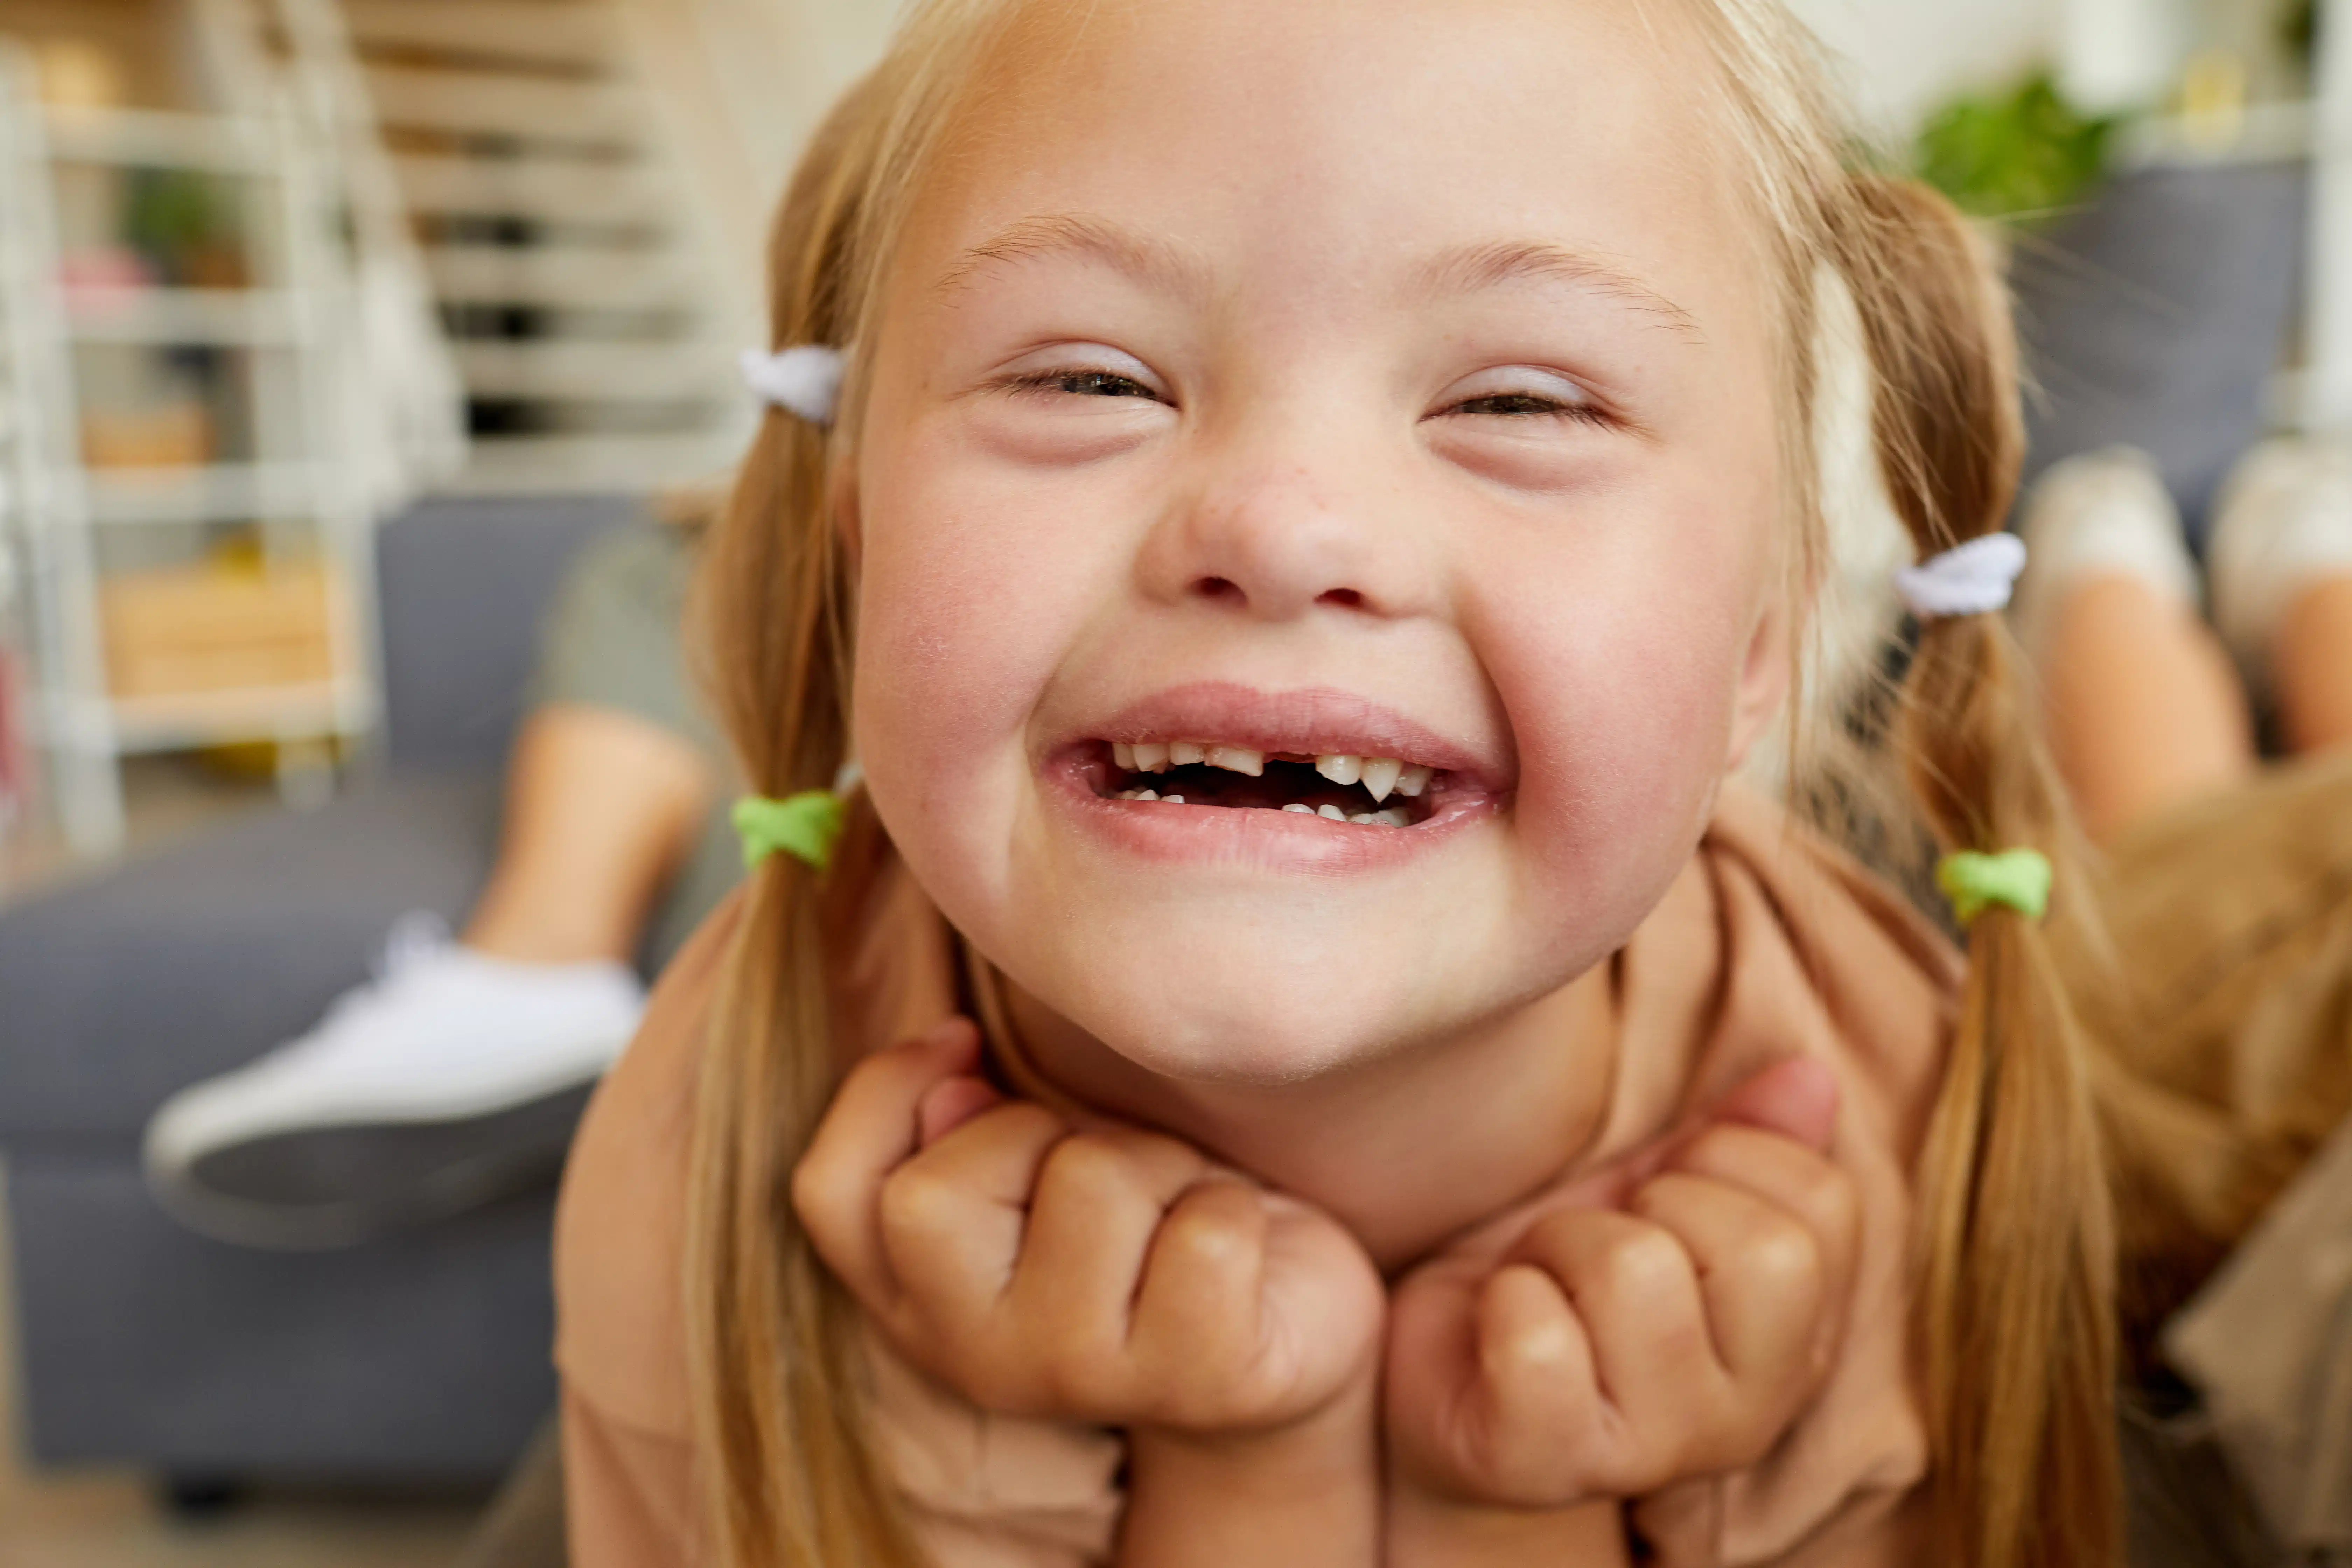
(1768, 946)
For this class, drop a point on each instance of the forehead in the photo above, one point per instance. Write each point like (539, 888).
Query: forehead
(1353, 138)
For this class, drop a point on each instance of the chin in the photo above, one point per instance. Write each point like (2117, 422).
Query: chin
(1232, 1017)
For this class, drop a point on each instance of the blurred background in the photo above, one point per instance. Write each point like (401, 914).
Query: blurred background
(332, 332)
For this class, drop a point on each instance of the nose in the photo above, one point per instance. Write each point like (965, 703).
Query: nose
(1276, 535)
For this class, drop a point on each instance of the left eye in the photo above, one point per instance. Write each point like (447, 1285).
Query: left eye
(1522, 393)
(1087, 384)
(1518, 403)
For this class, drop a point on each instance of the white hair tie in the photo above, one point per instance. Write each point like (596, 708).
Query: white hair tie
(805, 379)
(1970, 579)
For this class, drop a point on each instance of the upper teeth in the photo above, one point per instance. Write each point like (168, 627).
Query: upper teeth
(1381, 776)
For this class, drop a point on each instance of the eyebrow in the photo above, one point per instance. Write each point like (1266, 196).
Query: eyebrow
(1500, 262)
(1158, 262)
(1164, 264)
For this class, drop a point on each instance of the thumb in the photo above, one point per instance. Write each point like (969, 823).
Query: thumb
(951, 1102)
(1797, 1099)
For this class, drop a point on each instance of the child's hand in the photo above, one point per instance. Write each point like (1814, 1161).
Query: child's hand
(1109, 1274)
(1618, 1349)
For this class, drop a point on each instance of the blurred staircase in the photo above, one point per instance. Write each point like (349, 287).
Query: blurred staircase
(591, 319)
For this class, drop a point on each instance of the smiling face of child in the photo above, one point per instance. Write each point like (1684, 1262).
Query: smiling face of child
(1280, 405)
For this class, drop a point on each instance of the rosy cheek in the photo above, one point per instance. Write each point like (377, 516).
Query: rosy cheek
(962, 613)
(1621, 713)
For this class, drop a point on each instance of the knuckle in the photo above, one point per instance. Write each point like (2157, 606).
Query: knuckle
(1215, 1221)
(1640, 1262)
(919, 1200)
(1780, 1256)
(1514, 1361)
(1087, 1163)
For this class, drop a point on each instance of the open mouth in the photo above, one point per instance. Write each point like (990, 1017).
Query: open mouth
(1370, 792)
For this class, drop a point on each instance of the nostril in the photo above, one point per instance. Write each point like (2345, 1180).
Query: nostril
(1341, 599)
(1223, 589)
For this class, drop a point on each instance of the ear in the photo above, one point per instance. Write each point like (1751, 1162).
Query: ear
(1764, 681)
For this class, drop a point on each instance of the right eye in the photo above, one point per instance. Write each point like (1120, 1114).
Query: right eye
(1080, 369)
(1084, 383)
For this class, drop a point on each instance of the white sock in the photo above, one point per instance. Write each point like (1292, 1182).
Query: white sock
(2101, 514)
(2285, 522)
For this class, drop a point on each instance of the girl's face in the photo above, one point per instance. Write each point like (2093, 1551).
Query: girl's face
(1388, 385)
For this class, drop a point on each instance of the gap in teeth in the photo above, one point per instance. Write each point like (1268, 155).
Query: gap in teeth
(1380, 776)
(1302, 791)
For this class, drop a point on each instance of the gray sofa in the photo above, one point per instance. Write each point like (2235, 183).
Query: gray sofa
(422, 1357)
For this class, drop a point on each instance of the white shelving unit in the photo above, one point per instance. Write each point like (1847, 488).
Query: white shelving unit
(2325, 404)
(292, 489)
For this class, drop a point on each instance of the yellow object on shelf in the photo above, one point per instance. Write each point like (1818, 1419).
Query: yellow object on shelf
(213, 628)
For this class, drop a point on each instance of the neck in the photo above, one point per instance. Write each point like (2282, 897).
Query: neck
(1405, 1150)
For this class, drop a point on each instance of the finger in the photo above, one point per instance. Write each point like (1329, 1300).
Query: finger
(954, 1216)
(1636, 1292)
(952, 1102)
(1538, 1397)
(1759, 1271)
(1429, 1383)
(870, 1128)
(1797, 1099)
(1822, 1194)
(1100, 1198)
(1196, 1321)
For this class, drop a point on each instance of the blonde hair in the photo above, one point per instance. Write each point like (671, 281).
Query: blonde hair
(2014, 1322)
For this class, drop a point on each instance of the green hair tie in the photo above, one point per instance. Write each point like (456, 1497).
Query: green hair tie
(2015, 878)
(804, 825)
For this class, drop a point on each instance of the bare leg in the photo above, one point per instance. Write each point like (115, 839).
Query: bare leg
(2311, 660)
(601, 806)
(2145, 710)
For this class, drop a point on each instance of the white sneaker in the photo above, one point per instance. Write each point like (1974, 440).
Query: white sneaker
(2284, 521)
(2103, 513)
(449, 1079)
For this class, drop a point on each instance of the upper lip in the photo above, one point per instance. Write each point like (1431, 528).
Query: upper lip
(1308, 721)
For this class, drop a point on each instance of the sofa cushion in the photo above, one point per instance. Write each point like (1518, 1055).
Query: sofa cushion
(462, 582)
(419, 1356)
(2154, 317)
(190, 960)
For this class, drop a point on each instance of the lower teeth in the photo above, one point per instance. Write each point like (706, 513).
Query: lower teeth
(1393, 818)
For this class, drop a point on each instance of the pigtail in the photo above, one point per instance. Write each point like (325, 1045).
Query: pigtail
(2017, 1250)
(789, 1478)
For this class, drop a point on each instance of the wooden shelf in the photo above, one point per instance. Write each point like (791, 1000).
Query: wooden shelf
(219, 717)
(247, 318)
(158, 138)
(229, 492)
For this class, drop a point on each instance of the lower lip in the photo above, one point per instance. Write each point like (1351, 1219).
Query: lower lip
(1292, 841)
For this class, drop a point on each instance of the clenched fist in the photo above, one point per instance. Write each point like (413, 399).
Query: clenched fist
(1663, 1321)
(1103, 1274)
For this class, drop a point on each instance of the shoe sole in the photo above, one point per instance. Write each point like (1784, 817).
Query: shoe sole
(316, 1187)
